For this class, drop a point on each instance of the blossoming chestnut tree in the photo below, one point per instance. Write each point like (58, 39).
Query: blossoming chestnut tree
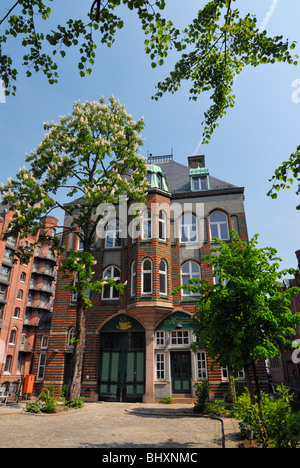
(92, 152)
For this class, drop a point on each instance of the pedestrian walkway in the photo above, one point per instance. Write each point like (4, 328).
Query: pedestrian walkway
(115, 426)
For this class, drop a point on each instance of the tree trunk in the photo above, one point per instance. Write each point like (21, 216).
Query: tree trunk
(231, 384)
(257, 387)
(249, 384)
(74, 387)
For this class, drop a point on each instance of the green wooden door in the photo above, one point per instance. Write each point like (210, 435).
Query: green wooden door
(122, 366)
(181, 372)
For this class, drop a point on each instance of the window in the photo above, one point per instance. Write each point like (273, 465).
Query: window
(44, 342)
(112, 234)
(71, 338)
(75, 293)
(188, 228)
(133, 279)
(162, 225)
(225, 373)
(219, 225)
(23, 277)
(8, 255)
(160, 366)
(3, 291)
(160, 338)
(5, 273)
(12, 338)
(189, 270)
(111, 292)
(1, 310)
(8, 362)
(20, 294)
(146, 225)
(147, 276)
(201, 365)
(180, 337)
(199, 183)
(41, 366)
(163, 277)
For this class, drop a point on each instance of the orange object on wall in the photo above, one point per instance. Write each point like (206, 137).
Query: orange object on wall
(28, 384)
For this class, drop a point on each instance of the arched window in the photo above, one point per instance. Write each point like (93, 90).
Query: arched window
(112, 234)
(188, 228)
(162, 226)
(163, 277)
(20, 294)
(17, 312)
(12, 338)
(23, 277)
(71, 338)
(189, 270)
(147, 276)
(133, 279)
(111, 292)
(146, 225)
(8, 362)
(218, 223)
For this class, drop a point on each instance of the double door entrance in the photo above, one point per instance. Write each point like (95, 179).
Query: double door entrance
(122, 366)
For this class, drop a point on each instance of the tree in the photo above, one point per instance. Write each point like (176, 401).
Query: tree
(212, 50)
(92, 151)
(245, 316)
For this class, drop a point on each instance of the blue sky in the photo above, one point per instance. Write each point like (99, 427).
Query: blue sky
(252, 139)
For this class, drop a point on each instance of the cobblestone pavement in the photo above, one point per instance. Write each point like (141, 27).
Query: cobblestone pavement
(113, 426)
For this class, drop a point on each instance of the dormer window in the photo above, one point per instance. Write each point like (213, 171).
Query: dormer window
(199, 183)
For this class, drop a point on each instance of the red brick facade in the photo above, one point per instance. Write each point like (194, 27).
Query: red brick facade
(26, 295)
(138, 346)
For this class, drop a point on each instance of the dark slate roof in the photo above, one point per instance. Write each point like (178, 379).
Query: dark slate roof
(178, 178)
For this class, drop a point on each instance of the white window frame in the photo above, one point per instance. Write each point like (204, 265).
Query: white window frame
(201, 365)
(44, 342)
(218, 225)
(160, 339)
(147, 272)
(190, 228)
(112, 232)
(71, 336)
(179, 338)
(160, 367)
(116, 277)
(190, 274)
(163, 274)
(41, 366)
(146, 222)
(162, 225)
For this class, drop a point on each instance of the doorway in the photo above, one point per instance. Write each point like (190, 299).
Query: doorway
(181, 371)
(122, 366)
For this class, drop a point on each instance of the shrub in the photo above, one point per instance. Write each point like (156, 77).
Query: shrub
(202, 392)
(33, 407)
(273, 423)
(77, 402)
(167, 400)
(49, 405)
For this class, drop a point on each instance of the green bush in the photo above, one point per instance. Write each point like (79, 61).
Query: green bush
(33, 407)
(77, 402)
(167, 400)
(273, 423)
(202, 393)
(49, 406)
(217, 407)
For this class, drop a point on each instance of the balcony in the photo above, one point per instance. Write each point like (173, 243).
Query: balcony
(38, 304)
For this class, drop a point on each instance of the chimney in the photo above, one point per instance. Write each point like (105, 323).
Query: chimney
(196, 161)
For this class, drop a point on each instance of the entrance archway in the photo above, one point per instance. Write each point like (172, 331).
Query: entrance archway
(122, 360)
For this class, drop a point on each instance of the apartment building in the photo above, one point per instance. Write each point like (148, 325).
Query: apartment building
(26, 295)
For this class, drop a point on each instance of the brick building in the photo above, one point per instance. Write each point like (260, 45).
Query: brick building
(26, 294)
(286, 369)
(138, 343)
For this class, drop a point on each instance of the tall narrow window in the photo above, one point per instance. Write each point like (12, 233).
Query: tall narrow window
(163, 277)
(109, 291)
(41, 366)
(8, 361)
(20, 294)
(201, 365)
(146, 225)
(71, 338)
(218, 223)
(160, 366)
(189, 270)
(112, 234)
(162, 226)
(133, 279)
(147, 276)
(188, 228)
(12, 338)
